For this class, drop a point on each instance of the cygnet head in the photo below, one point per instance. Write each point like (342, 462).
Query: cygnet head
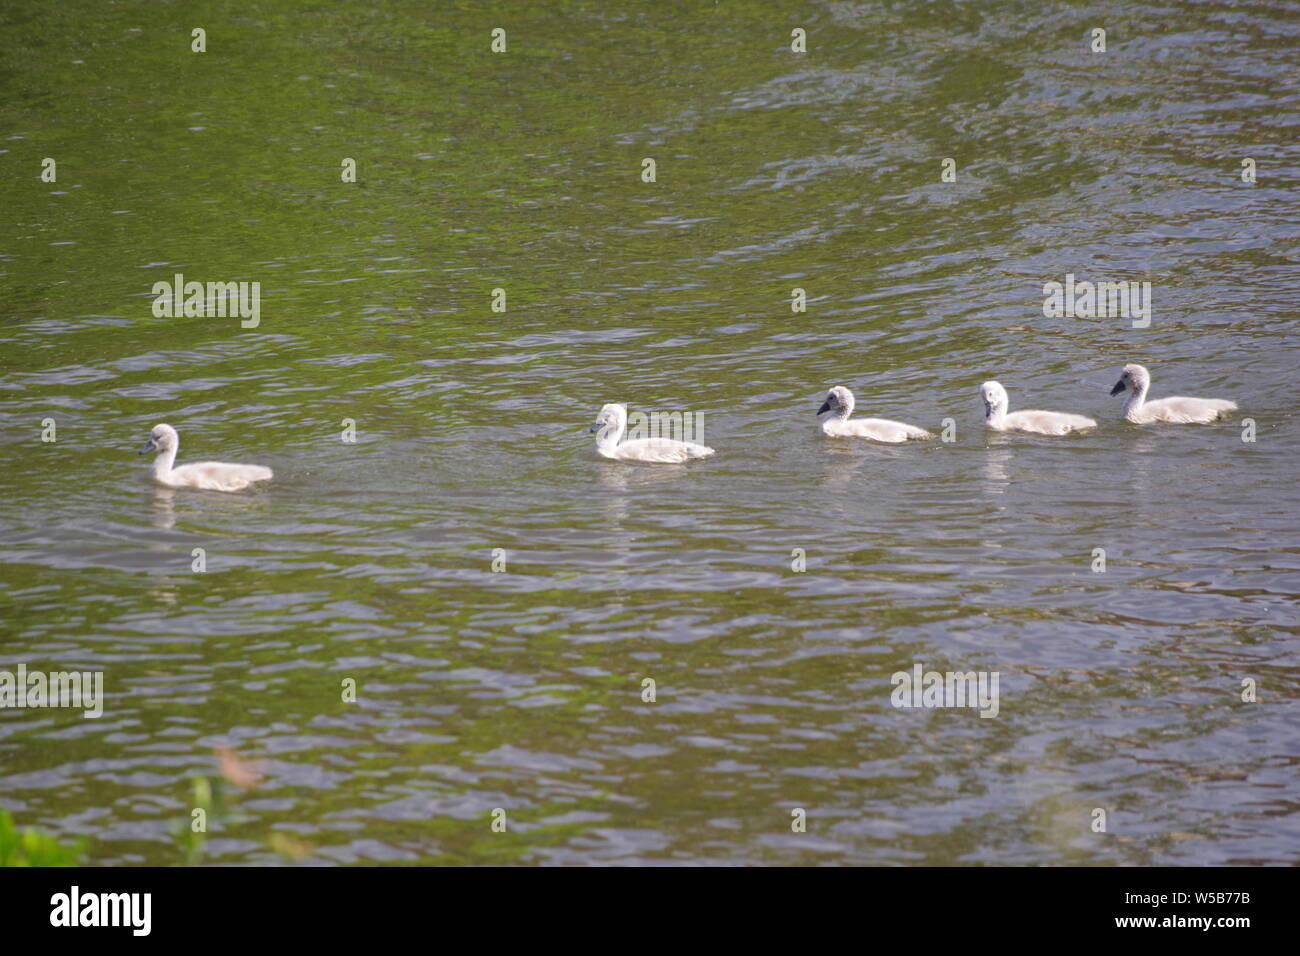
(1135, 377)
(840, 400)
(162, 438)
(995, 399)
(612, 416)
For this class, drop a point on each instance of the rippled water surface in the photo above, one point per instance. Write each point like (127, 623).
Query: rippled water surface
(521, 689)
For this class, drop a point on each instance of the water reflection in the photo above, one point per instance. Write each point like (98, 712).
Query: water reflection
(844, 461)
(997, 459)
(163, 507)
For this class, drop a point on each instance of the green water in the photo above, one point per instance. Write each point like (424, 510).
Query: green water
(521, 689)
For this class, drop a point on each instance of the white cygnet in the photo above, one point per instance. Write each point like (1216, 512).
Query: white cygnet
(1039, 423)
(840, 400)
(204, 475)
(1177, 409)
(612, 422)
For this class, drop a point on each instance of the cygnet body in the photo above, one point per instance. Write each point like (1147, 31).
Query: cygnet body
(203, 475)
(611, 423)
(1177, 409)
(1036, 422)
(840, 400)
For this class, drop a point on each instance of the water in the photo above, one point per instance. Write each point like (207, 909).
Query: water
(522, 690)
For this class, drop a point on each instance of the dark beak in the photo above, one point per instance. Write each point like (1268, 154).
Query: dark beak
(596, 427)
(826, 407)
(1119, 387)
(148, 446)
